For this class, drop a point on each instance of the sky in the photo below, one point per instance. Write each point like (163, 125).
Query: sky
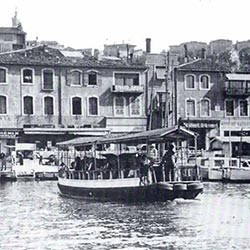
(93, 23)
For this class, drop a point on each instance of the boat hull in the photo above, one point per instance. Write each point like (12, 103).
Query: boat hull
(215, 174)
(237, 175)
(161, 191)
(32, 170)
(7, 176)
(46, 176)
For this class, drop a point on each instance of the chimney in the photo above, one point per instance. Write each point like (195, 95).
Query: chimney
(203, 53)
(96, 53)
(185, 53)
(148, 45)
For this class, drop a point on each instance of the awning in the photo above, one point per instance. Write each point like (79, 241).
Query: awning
(235, 139)
(160, 73)
(26, 146)
(62, 131)
(238, 77)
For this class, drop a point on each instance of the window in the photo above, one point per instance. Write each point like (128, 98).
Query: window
(135, 106)
(189, 82)
(3, 73)
(3, 105)
(47, 79)
(93, 106)
(204, 82)
(243, 104)
(48, 105)
(190, 108)
(235, 84)
(248, 85)
(76, 77)
(205, 108)
(76, 106)
(28, 105)
(92, 78)
(229, 108)
(8, 37)
(130, 79)
(119, 106)
(27, 76)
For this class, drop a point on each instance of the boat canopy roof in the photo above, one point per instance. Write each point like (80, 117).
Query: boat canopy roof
(79, 141)
(176, 133)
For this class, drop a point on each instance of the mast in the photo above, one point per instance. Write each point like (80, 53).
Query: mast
(240, 148)
(151, 100)
(230, 142)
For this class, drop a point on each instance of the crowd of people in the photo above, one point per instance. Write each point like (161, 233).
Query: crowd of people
(147, 162)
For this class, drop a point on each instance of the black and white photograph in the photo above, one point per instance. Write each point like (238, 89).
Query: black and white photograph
(124, 125)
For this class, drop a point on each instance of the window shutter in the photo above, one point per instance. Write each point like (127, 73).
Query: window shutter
(68, 77)
(85, 79)
(99, 79)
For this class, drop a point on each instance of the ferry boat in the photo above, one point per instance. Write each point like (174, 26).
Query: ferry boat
(114, 173)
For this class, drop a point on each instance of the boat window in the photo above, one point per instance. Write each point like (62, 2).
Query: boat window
(245, 164)
(203, 162)
(219, 163)
(234, 163)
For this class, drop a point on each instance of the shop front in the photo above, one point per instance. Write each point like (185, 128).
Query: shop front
(8, 138)
(235, 136)
(205, 129)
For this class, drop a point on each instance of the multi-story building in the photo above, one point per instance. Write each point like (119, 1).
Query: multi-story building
(48, 95)
(160, 92)
(214, 101)
(12, 38)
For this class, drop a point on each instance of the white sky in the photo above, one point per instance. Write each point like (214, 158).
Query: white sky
(92, 23)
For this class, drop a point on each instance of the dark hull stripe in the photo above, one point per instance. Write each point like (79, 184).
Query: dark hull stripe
(149, 193)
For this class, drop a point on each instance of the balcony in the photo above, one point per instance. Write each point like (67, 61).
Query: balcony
(135, 89)
(234, 91)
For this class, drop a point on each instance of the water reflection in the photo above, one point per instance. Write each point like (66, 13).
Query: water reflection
(35, 216)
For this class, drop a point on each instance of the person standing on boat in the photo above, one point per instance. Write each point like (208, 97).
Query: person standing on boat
(20, 157)
(144, 164)
(3, 161)
(153, 154)
(168, 162)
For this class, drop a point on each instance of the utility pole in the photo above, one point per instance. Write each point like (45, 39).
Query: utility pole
(166, 89)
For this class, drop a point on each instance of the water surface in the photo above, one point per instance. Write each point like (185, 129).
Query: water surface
(34, 216)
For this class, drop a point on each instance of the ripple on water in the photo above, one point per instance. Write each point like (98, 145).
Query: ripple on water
(34, 216)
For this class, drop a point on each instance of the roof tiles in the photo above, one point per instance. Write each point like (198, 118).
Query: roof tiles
(47, 56)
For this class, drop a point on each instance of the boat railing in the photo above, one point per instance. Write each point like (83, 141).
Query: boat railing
(99, 174)
(188, 172)
(156, 172)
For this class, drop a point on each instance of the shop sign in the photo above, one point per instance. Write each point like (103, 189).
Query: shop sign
(235, 125)
(200, 125)
(8, 134)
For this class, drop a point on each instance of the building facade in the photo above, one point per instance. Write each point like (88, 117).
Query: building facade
(12, 38)
(48, 95)
(214, 102)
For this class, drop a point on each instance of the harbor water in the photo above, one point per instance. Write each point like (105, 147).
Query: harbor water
(34, 216)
